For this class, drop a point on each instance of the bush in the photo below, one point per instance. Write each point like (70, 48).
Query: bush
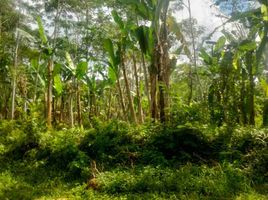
(16, 138)
(184, 143)
(110, 143)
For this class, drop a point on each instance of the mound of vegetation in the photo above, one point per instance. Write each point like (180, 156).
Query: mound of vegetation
(128, 162)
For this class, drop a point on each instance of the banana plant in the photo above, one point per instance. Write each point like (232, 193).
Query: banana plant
(76, 75)
(114, 70)
(155, 11)
(47, 50)
(232, 68)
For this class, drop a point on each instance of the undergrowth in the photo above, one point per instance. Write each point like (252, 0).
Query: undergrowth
(133, 162)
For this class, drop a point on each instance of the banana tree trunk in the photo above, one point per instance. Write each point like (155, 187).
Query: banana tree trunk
(243, 99)
(147, 93)
(121, 98)
(109, 104)
(131, 106)
(49, 93)
(15, 76)
(71, 113)
(62, 108)
(251, 90)
(137, 90)
(79, 115)
(153, 83)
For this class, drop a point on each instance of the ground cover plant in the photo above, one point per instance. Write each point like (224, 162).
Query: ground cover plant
(133, 163)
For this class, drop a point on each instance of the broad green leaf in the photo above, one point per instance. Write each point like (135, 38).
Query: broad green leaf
(34, 63)
(247, 46)
(143, 41)
(262, 45)
(264, 11)
(58, 84)
(26, 35)
(236, 60)
(69, 61)
(42, 31)
(81, 70)
(108, 46)
(205, 56)
(57, 69)
(112, 75)
(118, 20)
(42, 81)
(220, 43)
(264, 85)
(229, 36)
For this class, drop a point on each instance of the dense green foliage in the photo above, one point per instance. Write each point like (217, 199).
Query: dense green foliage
(123, 99)
(149, 161)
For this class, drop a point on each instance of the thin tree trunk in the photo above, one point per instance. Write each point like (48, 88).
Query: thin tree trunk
(146, 79)
(137, 90)
(163, 62)
(243, 99)
(79, 115)
(121, 97)
(109, 104)
(153, 83)
(251, 90)
(265, 106)
(71, 114)
(15, 76)
(50, 101)
(49, 93)
(62, 108)
(36, 80)
(194, 56)
(131, 106)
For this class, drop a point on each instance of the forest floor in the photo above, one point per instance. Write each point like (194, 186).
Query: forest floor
(33, 180)
(58, 165)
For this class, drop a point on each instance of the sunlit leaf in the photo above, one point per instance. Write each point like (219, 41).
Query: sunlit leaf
(42, 31)
(81, 70)
(247, 46)
(69, 61)
(220, 43)
(58, 84)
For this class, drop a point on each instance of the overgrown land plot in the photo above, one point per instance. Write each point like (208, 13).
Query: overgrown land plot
(134, 99)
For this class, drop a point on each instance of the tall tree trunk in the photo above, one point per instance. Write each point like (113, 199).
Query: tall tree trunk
(194, 59)
(36, 79)
(109, 104)
(163, 62)
(249, 58)
(79, 115)
(121, 98)
(137, 90)
(147, 92)
(153, 91)
(49, 93)
(15, 76)
(50, 100)
(243, 99)
(130, 101)
(190, 83)
(62, 108)
(265, 106)
(71, 113)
